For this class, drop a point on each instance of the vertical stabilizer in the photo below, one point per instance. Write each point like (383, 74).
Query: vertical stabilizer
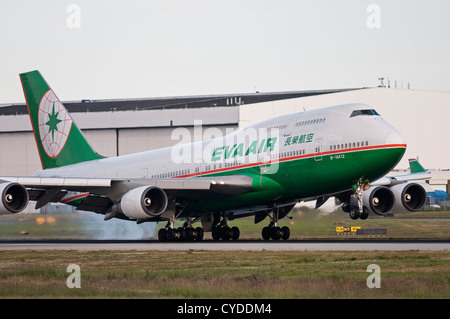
(59, 140)
(415, 166)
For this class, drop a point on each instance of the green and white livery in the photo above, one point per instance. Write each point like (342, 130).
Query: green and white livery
(263, 170)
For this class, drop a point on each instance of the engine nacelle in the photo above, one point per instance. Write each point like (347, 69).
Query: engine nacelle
(14, 198)
(409, 197)
(143, 202)
(379, 200)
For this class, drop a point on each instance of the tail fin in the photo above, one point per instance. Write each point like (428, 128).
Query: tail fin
(415, 166)
(60, 142)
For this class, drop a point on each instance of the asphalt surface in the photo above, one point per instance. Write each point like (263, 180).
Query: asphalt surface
(251, 245)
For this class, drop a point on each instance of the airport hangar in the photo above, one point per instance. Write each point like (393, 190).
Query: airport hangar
(119, 127)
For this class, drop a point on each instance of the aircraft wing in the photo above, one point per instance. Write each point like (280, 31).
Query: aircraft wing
(398, 179)
(101, 193)
(417, 173)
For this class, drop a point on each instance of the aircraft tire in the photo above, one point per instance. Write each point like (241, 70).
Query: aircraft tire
(199, 233)
(365, 213)
(354, 213)
(188, 234)
(171, 234)
(235, 233)
(216, 233)
(275, 233)
(180, 234)
(266, 233)
(162, 235)
(225, 233)
(285, 233)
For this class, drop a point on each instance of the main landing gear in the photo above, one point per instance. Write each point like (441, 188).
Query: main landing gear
(273, 231)
(222, 231)
(226, 233)
(180, 234)
(276, 233)
(185, 233)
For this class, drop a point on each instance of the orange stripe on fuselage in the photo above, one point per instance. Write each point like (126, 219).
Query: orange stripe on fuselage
(348, 150)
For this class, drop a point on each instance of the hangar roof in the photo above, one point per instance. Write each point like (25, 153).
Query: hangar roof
(172, 102)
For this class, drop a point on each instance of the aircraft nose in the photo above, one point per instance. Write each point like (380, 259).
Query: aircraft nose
(395, 138)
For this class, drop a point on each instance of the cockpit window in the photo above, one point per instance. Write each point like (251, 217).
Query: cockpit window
(364, 112)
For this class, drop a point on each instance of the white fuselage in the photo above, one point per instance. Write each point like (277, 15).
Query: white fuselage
(313, 133)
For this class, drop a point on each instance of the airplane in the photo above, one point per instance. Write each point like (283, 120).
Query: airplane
(262, 170)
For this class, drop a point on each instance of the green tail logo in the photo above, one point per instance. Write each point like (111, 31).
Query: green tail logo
(415, 166)
(59, 140)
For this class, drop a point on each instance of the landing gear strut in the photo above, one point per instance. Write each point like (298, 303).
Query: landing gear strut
(356, 209)
(273, 230)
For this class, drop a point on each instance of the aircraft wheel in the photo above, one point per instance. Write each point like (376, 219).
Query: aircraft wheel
(365, 213)
(188, 234)
(216, 233)
(199, 233)
(171, 234)
(180, 234)
(162, 234)
(235, 232)
(354, 213)
(266, 233)
(225, 233)
(275, 233)
(285, 232)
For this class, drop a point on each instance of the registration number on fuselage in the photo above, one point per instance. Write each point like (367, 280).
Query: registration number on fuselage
(337, 156)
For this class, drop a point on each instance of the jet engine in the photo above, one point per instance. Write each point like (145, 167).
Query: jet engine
(379, 199)
(143, 202)
(410, 197)
(14, 198)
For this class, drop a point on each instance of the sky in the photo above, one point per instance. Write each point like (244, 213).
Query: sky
(137, 49)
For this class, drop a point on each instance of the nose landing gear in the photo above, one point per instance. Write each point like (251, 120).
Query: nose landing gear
(354, 204)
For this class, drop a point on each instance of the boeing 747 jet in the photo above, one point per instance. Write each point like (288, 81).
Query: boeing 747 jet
(263, 170)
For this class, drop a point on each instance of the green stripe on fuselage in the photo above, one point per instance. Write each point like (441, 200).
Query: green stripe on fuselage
(305, 177)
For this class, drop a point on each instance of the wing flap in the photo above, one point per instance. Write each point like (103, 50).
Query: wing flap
(66, 183)
(98, 204)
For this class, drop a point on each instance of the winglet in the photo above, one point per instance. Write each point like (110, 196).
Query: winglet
(415, 166)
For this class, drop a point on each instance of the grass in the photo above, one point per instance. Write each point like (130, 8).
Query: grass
(306, 223)
(236, 274)
(224, 274)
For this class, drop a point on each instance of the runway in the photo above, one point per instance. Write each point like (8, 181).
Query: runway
(244, 245)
